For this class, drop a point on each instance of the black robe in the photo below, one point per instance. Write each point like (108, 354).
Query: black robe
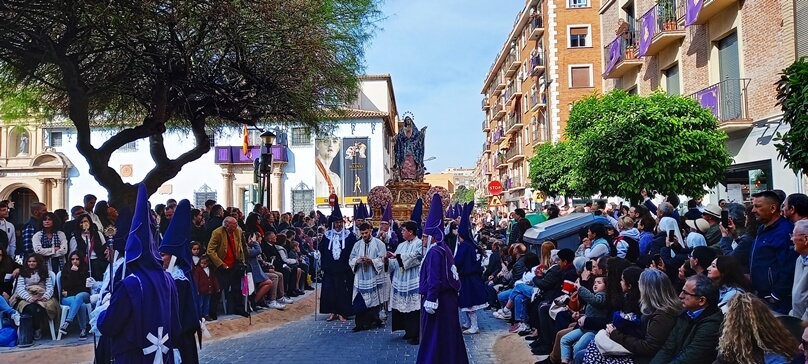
(338, 277)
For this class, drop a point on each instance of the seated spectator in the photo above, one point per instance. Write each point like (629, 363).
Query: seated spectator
(700, 259)
(262, 282)
(627, 243)
(75, 293)
(752, 334)
(598, 246)
(647, 227)
(51, 243)
(694, 338)
(696, 236)
(597, 307)
(33, 294)
(728, 275)
(550, 287)
(660, 307)
(683, 273)
(660, 240)
(8, 268)
(518, 297)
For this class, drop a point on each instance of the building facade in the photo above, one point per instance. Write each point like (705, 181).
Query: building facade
(725, 54)
(550, 58)
(40, 163)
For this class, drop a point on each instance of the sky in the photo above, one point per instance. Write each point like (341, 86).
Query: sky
(438, 53)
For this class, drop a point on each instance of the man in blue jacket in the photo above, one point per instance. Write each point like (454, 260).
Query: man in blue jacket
(771, 266)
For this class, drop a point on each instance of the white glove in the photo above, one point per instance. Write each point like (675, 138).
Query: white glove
(429, 310)
(89, 282)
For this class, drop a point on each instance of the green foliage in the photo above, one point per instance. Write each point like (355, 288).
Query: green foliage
(463, 194)
(553, 169)
(620, 143)
(792, 96)
(482, 202)
(150, 65)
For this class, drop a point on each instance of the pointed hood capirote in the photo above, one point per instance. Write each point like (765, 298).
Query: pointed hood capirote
(434, 221)
(176, 240)
(336, 213)
(418, 211)
(464, 230)
(368, 211)
(122, 226)
(450, 212)
(387, 215)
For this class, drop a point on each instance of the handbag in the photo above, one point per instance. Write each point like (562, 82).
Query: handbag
(574, 304)
(558, 305)
(609, 347)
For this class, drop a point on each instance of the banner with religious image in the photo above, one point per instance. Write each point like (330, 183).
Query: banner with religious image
(708, 98)
(692, 13)
(648, 32)
(356, 176)
(328, 169)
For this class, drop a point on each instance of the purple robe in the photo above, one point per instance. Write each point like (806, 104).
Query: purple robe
(470, 269)
(140, 306)
(441, 335)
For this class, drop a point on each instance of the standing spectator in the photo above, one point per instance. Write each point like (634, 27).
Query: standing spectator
(694, 338)
(75, 293)
(739, 236)
(214, 221)
(207, 285)
(89, 241)
(30, 228)
(198, 227)
(226, 254)
(693, 212)
(795, 207)
(102, 211)
(8, 228)
(771, 267)
(208, 207)
(89, 207)
(69, 228)
(799, 292)
(165, 218)
(51, 243)
(712, 213)
(513, 235)
(752, 334)
(728, 275)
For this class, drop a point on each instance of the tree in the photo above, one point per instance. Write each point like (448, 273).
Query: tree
(792, 96)
(659, 142)
(145, 66)
(553, 169)
(463, 195)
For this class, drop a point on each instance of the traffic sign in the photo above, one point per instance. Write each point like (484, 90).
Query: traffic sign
(539, 196)
(495, 201)
(495, 188)
(332, 199)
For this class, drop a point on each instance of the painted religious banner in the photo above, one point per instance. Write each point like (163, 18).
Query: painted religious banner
(649, 21)
(614, 55)
(328, 169)
(692, 12)
(356, 162)
(708, 98)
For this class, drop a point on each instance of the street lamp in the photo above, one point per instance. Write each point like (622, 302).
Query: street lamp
(268, 138)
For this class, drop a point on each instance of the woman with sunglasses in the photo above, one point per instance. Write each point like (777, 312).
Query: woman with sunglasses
(50, 242)
(75, 292)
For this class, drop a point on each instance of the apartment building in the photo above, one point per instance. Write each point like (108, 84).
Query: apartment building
(725, 54)
(550, 58)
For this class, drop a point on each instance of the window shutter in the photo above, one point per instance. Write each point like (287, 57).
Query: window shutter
(580, 76)
(801, 27)
(578, 31)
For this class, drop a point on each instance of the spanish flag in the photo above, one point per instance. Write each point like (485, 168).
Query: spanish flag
(245, 147)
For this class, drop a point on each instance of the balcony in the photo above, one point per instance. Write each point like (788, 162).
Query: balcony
(536, 27)
(515, 153)
(514, 123)
(498, 112)
(514, 187)
(233, 154)
(500, 86)
(513, 63)
(486, 127)
(660, 28)
(535, 102)
(621, 55)
(498, 135)
(501, 161)
(485, 105)
(700, 14)
(510, 94)
(536, 64)
(727, 100)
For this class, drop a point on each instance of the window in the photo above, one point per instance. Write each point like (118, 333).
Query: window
(203, 194)
(578, 3)
(672, 80)
(129, 147)
(580, 76)
(301, 136)
(579, 36)
(302, 198)
(56, 139)
(212, 139)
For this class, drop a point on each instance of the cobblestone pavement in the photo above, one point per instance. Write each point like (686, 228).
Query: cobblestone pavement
(310, 341)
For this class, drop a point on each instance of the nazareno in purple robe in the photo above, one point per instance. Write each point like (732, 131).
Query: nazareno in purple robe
(441, 335)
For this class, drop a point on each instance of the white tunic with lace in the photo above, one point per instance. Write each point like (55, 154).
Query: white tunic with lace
(405, 297)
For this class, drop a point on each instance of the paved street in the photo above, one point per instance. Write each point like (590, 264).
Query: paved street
(309, 341)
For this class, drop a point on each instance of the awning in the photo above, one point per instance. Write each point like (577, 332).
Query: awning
(505, 143)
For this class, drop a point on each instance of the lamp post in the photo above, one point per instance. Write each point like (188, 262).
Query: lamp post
(268, 138)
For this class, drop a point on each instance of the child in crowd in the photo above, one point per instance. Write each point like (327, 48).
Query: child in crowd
(596, 307)
(206, 284)
(196, 251)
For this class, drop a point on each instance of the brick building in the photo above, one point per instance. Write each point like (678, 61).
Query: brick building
(550, 58)
(727, 55)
